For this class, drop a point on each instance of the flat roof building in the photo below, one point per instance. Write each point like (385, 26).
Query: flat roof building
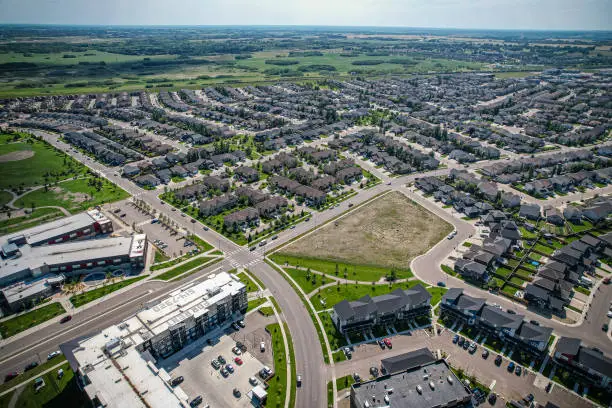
(427, 385)
(117, 366)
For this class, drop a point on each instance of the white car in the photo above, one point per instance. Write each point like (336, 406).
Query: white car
(262, 347)
(610, 313)
(53, 354)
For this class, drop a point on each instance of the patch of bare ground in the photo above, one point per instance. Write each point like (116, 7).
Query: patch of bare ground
(389, 231)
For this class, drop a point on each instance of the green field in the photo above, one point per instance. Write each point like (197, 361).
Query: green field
(89, 296)
(277, 384)
(47, 163)
(247, 281)
(36, 217)
(336, 340)
(32, 373)
(187, 266)
(306, 282)
(256, 302)
(353, 271)
(5, 198)
(74, 195)
(30, 319)
(57, 393)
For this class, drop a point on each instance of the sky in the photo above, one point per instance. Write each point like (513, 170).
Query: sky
(486, 14)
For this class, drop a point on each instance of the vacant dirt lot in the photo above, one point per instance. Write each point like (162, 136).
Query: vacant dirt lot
(389, 231)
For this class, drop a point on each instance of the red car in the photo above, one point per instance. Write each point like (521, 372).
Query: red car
(66, 319)
(10, 376)
(238, 360)
(387, 343)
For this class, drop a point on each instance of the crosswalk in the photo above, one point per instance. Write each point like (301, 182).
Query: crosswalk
(236, 264)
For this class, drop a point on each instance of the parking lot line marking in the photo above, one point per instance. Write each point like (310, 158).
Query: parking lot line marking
(493, 384)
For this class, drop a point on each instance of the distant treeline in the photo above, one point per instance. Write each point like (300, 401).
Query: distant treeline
(282, 62)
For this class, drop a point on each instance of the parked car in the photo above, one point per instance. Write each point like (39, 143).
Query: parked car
(485, 354)
(241, 323)
(224, 372)
(176, 381)
(461, 341)
(356, 377)
(388, 342)
(235, 326)
(605, 327)
(221, 359)
(196, 401)
(466, 344)
(548, 386)
(66, 319)
(236, 393)
(492, 398)
(498, 360)
(381, 344)
(215, 364)
(299, 380)
(472, 348)
(10, 376)
(455, 338)
(511, 367)
(518, 370)
(374, 371)
(238, 360)
(32, 365)
(253, 381)
(441, 284)
(53, 354)
(229, 368)
(236, 351)
(262, 346)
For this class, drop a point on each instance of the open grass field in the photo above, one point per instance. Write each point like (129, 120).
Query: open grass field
(89, 296)
(30, 319)
(308, 282)
(277, 384)
(179, 270)
(74, 195)
(36, 217)
(57, 393)
(388, 232)
(25, 161)
(246, 280)
(5, 198)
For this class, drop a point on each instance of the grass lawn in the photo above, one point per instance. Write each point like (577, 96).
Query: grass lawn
(509, 290)
(351, 291)
(582, 290)
(584, 226)
(467, 244)
(32, 373)
(32, 318)
(89, 296)
(308, 284)
(33, 160)
(344, 382)
(335, 338)
(246, 280)
(353, 271)
(187, 266)
(387, 232)
(36, 217)
(203, 245)
(266, 311)
(160, 257)
(447, 269)
(517, 281)
(339, 356)
(256, 302)
(5, 198)
(74, 195)
(503, 272)
(57, 393)
(278, 383)
(543, 249)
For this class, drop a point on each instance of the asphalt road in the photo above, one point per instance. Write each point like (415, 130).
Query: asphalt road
(309, 362)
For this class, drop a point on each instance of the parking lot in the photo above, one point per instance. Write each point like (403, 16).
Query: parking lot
(193, 363)
(508, 385)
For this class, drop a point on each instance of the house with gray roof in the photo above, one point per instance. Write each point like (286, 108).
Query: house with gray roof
(590, 364)
(368, 312)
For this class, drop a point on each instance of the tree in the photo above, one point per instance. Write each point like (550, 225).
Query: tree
(336, 269)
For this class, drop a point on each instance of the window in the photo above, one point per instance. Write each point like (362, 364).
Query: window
(76, 266)
(89, 264)
(101, 262)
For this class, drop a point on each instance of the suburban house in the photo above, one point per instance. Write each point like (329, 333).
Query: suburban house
(473, 270)
(217, 204)
(272, 206)
(365, 313)
(253, 196)
(553, 216)
(246, 174)
(216, 183)
(530, 211)
(241, 219)
(148, 180)
(589, 363)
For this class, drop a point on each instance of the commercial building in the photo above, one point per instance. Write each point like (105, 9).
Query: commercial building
(80, 226)
(117, 367)
(417, 380)
(367, 312)
(73, 258)
(22, 295)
